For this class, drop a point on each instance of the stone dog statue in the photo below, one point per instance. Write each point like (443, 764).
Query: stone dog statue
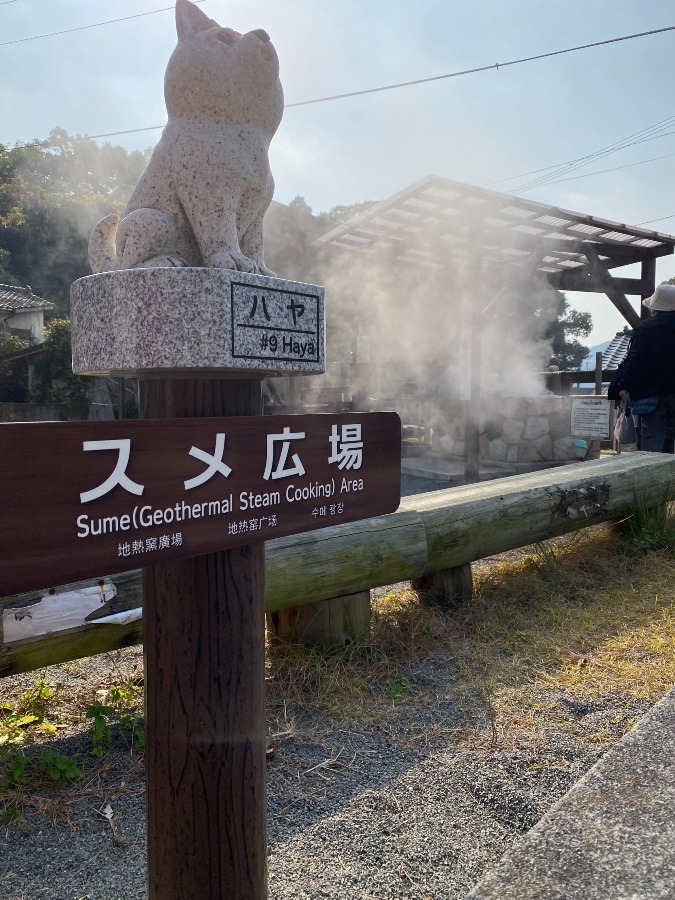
(202, 198)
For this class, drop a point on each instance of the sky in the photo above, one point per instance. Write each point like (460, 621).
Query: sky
(485, 128)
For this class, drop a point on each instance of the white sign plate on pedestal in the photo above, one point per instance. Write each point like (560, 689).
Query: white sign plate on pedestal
(590, 417)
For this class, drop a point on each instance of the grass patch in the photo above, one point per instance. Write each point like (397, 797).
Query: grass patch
(598, 619)
(587, 616)
(363, 680)
(649, 527)
(590, 615)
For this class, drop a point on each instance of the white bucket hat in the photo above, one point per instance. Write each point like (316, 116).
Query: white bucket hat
(662, 300)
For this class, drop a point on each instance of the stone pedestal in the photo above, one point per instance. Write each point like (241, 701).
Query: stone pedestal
(148, 323)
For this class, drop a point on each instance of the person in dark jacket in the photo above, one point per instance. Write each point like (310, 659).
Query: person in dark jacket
(647, 373)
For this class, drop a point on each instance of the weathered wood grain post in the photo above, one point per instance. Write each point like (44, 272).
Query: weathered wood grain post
(204, 682)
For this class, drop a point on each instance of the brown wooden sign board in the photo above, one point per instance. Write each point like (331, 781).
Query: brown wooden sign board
(81, 499)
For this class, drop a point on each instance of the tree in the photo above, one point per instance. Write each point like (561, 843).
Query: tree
(564, 330)
(56, 382)
(52, 193)
(6, 276)
(13, 388)
(290, 231)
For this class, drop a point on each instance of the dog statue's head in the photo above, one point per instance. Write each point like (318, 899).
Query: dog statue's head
(217, 73)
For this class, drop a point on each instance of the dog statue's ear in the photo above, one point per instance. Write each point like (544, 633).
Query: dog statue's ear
(189, 19)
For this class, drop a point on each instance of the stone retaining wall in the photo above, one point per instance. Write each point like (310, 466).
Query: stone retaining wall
(518, 430)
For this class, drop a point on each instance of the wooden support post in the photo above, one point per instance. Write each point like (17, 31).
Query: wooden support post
(594, 446)
(327, 624)
(447, 589)
(648, 284)
(204, 677)
(472, 406)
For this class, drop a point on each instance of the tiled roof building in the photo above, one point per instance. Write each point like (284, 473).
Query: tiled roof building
(22, 312)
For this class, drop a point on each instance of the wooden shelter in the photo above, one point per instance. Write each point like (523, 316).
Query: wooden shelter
(443, 224)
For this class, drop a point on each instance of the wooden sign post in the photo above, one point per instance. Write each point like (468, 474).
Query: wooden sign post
(190, 492)
(204, 648)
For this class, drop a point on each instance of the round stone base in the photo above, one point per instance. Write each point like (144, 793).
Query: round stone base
(196, 322)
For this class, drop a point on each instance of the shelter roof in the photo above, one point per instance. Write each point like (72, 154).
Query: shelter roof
(19, 299)
(436, 221)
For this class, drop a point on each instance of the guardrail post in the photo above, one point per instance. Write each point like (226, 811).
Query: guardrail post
(326, 624)
(446, 589)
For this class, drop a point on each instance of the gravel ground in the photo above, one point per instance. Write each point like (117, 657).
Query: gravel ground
(398, 809)
(402, 808)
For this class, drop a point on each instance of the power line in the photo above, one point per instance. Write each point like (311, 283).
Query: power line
(556, 181)
(641, 162)
(37, 37)
(579, 164)
(660, 219)
(646, 134)
(512, 62)
(615, 147)
(650, 134)
(394, 86)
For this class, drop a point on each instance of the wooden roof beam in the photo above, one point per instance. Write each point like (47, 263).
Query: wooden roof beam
(584, 279)
(604, 278)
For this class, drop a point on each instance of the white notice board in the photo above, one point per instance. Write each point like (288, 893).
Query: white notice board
(590, 417)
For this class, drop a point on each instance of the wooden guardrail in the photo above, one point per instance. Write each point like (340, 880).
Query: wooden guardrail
(431, 533)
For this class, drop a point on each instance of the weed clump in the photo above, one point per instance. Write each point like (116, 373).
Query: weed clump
(649, 528)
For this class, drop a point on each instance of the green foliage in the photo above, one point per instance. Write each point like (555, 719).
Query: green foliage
(10, 343)
(126, 700)
(13, 727)
(649, 528)
(123, 708)
(6, 276)
(99, 728)
(38, 699)
(12, 813)
(56, 382)
(290, 231)
(29, 712)
(564, 331)
(342, 213)
(399, 688)
(58, 767)
(14, 771)
(12, 372)
(52, 193)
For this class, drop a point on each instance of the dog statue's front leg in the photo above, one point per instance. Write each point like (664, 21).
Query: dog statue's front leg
(211, 208)
(252, 245)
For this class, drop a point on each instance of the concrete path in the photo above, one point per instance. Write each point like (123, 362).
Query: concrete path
(612, 836)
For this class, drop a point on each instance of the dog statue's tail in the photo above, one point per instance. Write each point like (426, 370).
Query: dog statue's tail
(102, 252)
